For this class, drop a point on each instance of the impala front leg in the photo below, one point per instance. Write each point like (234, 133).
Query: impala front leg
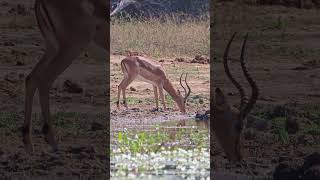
(162, 98)
(156, 97)
(124, 98)
(31, 86)
(118, 101)
(27, 128)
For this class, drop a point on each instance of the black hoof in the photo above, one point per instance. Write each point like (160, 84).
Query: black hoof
(155, 110)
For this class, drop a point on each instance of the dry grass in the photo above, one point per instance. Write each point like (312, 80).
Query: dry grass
(161, 39)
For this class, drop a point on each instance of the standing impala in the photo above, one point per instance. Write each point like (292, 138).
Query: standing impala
(229, 122)
(68, 26)
(144, 68)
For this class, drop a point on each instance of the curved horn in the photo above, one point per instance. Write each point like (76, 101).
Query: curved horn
(189, 89)
(226, 68)
(244, 100)
(255, 91)
(185, 91)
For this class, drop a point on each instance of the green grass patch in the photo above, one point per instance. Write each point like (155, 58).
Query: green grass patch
(313, 112)
(313, 129)
(10, 121)
(141, 142)
(133, 100)
(65, 123)
(169, 100)
(278, 127)
(147, 142)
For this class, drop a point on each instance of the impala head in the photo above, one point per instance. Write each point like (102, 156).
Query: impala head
(229, 122)
(181, 101)
(228, 127)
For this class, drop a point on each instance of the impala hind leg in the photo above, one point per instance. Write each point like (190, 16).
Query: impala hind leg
(57, 65)
(47, 128)
(162, 97)
(123, 86)
(31, 85)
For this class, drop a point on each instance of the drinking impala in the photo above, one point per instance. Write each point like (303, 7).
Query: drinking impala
(148, 71)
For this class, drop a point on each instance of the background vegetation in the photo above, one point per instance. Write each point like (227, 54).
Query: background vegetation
(171, 38)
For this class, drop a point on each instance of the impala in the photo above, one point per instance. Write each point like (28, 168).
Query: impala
(148, 71)
(67, 27)
(229, 122)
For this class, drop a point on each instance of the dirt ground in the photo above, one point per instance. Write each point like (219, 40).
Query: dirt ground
(283, 58)
(78, 104)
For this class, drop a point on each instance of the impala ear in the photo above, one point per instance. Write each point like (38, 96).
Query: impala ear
(178, 91)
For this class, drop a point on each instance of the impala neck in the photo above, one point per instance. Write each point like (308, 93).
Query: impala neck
(167, 86)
